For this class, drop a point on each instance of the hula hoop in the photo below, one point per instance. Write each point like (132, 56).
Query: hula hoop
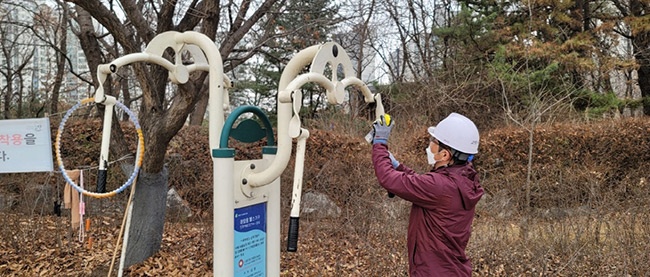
(139, 152)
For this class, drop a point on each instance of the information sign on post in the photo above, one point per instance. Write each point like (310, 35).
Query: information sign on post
(25, 145)
(250, 241)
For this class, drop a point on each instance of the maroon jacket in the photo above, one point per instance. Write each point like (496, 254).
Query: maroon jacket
(441, 215)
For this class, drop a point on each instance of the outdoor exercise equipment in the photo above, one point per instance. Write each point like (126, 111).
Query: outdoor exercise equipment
(206, 57)
(258, 182)
(328, 57)
(246, 196)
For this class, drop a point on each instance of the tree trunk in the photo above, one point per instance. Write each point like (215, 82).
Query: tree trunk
(147, 218)
(60, 60)
(126, 95)
(641, 42)
(19, 96)
(88, 41)
(197, 115)
(8, 91)
(644, 84)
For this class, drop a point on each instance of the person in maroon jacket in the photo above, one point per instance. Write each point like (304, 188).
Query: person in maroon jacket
(443, 200)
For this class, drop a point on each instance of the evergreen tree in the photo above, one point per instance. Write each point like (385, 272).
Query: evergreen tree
(299, 25)
(570, 34)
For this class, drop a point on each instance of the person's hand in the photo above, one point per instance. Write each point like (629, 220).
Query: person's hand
(382, 129)
(393, 161)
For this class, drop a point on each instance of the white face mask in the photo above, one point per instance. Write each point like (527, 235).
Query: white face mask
(430, 158)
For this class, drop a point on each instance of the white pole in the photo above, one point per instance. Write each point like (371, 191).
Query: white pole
(102, 175)
(223, 241)
(273, 225)
(292, 243)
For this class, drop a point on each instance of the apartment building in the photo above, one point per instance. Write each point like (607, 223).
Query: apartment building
(28, 57)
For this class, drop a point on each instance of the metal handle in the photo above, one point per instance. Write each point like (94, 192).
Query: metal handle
(101, 180)
(106, 141)
(292, 241)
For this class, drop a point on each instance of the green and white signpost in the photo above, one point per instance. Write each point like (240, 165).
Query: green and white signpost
(253, 210)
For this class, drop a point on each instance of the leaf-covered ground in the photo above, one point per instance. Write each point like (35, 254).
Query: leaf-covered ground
(50, 248)
(584, 213)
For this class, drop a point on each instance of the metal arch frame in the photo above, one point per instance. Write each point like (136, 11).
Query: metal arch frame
(289, 124)
(208, 58)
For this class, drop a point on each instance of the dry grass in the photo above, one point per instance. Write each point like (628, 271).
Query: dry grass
(581, 245)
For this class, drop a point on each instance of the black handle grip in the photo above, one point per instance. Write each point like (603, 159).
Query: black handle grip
(292, 242)
(101, 180)
(391, 195)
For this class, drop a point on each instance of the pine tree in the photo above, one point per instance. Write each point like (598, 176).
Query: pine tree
(300, 24)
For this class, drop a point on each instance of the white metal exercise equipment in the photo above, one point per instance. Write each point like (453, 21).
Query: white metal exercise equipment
(246, 201)
(206, 57)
